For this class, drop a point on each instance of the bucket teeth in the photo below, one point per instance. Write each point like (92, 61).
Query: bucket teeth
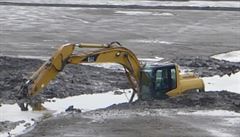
(23, 106)
(22, 98)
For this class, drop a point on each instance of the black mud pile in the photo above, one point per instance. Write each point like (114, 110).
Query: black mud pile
(195, 100)
(206, 66)
(73, 80)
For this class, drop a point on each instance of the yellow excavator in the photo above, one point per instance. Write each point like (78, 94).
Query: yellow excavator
(154, 81)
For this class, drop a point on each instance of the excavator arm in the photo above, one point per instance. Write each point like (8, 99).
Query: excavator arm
(66, 54)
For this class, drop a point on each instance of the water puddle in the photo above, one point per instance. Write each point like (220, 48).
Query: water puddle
(56, 106)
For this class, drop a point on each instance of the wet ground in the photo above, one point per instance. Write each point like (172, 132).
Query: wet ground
(188, 38)
(141, 123)
(147, 32)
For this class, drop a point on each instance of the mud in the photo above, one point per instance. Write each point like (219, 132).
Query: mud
(194, 101)
(207, 66)
(74, 80)
(133, 125)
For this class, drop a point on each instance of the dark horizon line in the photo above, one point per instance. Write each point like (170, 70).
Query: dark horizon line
(119, 6)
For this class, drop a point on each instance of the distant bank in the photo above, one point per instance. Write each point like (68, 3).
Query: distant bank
(132, 6)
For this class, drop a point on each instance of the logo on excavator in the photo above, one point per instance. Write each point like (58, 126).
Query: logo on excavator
(92, 58)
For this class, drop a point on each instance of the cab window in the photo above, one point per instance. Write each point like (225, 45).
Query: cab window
(165, 80)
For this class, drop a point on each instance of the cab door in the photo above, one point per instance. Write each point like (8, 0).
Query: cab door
(165, 81)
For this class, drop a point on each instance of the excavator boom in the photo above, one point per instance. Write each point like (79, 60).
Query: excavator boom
(106, 53)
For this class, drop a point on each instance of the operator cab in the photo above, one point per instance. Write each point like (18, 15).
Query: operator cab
(157, 80)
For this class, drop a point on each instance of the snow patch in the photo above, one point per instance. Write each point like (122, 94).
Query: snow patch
(44, 58)
(164, 14)
(155, 59)
(13, 113)
(217, 83)
(211, 113)
(144, 13)
(134, 12)
(233, 56)
(154, 41)
(89, 101)
(219, 133)
(113, 66)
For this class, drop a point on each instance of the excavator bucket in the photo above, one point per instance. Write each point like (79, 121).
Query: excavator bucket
(37, 107)
(34, 106)
(42, 76)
